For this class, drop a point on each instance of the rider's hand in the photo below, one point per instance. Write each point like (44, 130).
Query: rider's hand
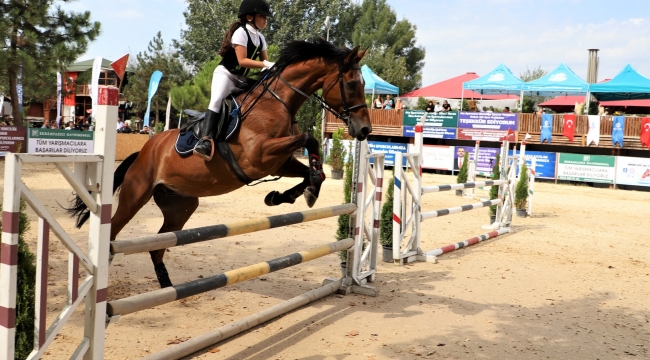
(267, 64)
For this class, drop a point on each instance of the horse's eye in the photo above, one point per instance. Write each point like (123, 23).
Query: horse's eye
(351, 85)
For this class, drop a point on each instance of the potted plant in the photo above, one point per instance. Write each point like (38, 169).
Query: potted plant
(337, 154)
(462, 174)
(343, 229)
(521, 192)
(386, 224)
(494, 190)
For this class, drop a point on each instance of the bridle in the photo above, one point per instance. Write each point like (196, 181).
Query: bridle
(344, 115)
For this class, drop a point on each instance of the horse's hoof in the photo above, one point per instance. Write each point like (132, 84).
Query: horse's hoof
(310, 197)
(271, 198)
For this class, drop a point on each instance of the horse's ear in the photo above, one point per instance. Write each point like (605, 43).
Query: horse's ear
(361, 54)
(351, 56)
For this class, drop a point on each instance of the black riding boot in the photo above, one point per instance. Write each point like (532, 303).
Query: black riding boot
(211, 127)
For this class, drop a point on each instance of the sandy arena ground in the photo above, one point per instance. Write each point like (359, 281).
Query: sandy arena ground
(571, 282)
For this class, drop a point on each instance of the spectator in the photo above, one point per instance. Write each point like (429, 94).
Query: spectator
(437, 108)
(491, 108)
(399, 105)
(388, 103)
(484, 109)
(46, 124)
(540, 111)
(85, 126)
(126, 129)
(120, 124)
(507, 110)
(378, 104)
(471, 103)
(445, 106)
(430, 107)
(145, 130)
(70, 126)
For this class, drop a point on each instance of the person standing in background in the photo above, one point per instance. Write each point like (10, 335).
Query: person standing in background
(378, 103)
(388, 103)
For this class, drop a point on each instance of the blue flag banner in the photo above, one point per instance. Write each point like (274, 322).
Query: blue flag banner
(618, 124)
(153, 87)
(19, 89)
(547, 128)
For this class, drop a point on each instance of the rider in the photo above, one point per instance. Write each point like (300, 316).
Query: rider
(243, 44)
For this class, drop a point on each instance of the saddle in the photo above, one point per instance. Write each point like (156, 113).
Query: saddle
(191, 133)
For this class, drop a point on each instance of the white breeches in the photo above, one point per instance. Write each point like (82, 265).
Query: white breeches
(222, 85)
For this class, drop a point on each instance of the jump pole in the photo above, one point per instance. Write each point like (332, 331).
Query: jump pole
(191, 236)
(162, 296)
(225, 332)
(468, 242)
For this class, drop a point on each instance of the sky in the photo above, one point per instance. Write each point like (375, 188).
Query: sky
(458, 36)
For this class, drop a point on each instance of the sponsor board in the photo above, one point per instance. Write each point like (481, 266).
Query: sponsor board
(486, 126)
(586, 168)
(53, 141)
(12, 139)
(430, 132)
(448, 119)
(633, 171)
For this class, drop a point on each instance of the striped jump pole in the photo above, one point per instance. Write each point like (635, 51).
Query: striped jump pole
(191, 236)
(468, 242)
(454, 210)
(438, 188)
(225, 332)
(163, 296)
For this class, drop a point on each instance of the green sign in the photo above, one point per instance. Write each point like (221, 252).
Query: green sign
(52, 141)
(586, 168)
(448, 119)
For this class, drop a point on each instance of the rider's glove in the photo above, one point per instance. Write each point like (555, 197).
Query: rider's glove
(267, 64)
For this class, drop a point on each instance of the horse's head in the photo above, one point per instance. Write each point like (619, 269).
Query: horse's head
(344, 94)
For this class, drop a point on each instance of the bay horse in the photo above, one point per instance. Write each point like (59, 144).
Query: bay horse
(263, 145)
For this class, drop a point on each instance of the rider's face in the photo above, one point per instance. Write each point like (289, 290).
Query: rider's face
(260, 21)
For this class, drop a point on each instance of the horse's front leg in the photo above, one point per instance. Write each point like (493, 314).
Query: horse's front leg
(313, 175)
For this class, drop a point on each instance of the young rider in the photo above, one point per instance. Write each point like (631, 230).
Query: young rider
(243, 48)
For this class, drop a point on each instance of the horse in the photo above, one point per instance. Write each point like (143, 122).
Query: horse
(263, 145)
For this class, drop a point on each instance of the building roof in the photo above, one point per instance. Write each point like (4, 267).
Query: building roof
(86, 65)
(453, 89)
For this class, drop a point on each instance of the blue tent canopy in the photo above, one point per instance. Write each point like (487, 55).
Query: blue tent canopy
(627, 85)
(562, 80)
(498, 81)
(375, 84)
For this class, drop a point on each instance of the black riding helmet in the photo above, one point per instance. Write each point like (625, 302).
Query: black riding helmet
(254, 7)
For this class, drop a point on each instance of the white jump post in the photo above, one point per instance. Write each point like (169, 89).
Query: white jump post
(531, 185)
(471, 171)
(94, 173)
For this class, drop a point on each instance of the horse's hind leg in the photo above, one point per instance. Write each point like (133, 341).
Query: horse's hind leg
(176, 211)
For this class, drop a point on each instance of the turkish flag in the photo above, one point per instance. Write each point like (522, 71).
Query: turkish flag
(119, 65)
(645, 132)
(569, 126)
(510, 136)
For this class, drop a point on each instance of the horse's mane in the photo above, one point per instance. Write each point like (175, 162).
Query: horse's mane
(294, 52)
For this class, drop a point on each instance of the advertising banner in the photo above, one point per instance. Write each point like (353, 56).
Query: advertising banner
(51, 141)
(586, 168)
(486, 158)
(544, 165)
(448, 119)
(12, 139)
(389, 150)
(436, 157)
(430, 132)
(485, 126)
(633, 171)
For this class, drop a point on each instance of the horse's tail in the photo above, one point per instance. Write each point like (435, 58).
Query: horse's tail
(79, 209)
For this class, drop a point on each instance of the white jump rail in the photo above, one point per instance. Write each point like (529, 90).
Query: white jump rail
(92, 178)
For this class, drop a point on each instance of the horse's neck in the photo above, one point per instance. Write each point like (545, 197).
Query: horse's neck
(308, 79)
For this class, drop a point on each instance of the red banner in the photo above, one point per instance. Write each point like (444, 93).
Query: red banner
(569, 128)
(119, 65)
(485, 134)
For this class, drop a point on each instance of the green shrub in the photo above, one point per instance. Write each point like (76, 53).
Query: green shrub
(494, 190)
(422, 103)
(386, 222)
(462, 173)
(337, 154)
(343, 229)
(521, 192)
(26, 290)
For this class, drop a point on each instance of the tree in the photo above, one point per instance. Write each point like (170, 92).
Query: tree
(521, 191)
(461, 178)
(494, 189)
(393, 54)
(37, 40)
(529, 102)
(422, 103)
(157, 57)
(343, 228)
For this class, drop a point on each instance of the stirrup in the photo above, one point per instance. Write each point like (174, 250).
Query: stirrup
(204, 156)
